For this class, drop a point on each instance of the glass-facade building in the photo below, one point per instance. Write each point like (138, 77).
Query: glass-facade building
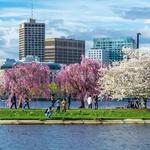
(114, 46)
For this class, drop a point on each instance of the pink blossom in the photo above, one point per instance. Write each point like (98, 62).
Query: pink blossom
(30, 79)
(80, 79)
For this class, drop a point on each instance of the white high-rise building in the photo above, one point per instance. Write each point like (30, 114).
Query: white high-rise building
(99, 54)
(114, 46)
(32, 39)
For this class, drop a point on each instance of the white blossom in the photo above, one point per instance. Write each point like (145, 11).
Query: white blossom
(130, 77)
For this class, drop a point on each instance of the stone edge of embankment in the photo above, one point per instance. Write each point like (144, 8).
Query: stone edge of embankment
(74, 122)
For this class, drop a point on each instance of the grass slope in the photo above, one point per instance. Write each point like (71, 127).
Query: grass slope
(74, 114)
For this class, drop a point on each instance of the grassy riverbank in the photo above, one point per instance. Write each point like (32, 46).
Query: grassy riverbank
(75, 114)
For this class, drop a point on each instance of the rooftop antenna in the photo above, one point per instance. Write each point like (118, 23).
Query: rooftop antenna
(32, 8)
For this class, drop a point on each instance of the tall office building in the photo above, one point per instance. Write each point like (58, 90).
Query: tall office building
(32, 39)
(99, 54)
(64, 51)
(114, 46)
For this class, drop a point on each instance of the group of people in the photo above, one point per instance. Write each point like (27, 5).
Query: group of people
(92, 100)
(64, 103)
(55, 103)
(14, 102)
(58, 103)
(136, 104)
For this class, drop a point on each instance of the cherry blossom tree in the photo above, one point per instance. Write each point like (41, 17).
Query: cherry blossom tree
(130, 77)
(80, 79)
(28, 79)
(2, 83)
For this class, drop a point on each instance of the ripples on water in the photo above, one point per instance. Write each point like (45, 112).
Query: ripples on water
(75, 137)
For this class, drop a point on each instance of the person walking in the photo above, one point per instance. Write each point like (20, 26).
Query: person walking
(69, 101)
(64, 105)
(13, 101)
(26, 103)
(145, 103)
(53, 100)
(96, 101)
(58, 103)
(89, 101)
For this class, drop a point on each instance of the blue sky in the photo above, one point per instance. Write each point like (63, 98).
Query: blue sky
(80, 19)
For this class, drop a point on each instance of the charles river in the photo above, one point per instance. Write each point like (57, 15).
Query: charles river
(75, 137)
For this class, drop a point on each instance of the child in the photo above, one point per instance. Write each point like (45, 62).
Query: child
(64, 105)
(48, 112)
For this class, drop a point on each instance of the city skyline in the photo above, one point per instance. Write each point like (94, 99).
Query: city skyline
(83, 20)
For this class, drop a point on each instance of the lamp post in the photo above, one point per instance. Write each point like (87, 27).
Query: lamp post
(138, 40)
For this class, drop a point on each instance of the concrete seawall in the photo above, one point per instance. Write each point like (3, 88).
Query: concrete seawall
(73, 122)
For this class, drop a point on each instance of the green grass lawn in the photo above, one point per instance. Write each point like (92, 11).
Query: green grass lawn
(74, 114)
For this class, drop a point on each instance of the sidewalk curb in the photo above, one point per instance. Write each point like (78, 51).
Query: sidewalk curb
(73, 122)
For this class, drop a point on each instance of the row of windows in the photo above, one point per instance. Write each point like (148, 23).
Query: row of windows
(32, 42)
(34, 45)
(40, 43)
(68, 50)
(65, 43)
(34, 29)
(35, 25)
(34, 33)
(94, 53)
(69, 44)
(111, 43)
(67, 60)
(27, 53)
(95, 57)
(35, 50)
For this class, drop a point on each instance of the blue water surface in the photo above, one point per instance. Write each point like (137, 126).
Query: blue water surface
(75, 137)
(75, 104)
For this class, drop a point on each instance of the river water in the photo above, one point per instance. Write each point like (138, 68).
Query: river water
(75, 137)
(75, 104)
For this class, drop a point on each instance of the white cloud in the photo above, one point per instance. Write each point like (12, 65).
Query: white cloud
(84, 19)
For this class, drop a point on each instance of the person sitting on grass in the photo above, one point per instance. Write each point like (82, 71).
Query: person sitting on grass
(58, 103)
(64, 105)
(48, 112)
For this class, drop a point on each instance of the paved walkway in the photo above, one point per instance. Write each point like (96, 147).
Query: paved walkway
(75, 122)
